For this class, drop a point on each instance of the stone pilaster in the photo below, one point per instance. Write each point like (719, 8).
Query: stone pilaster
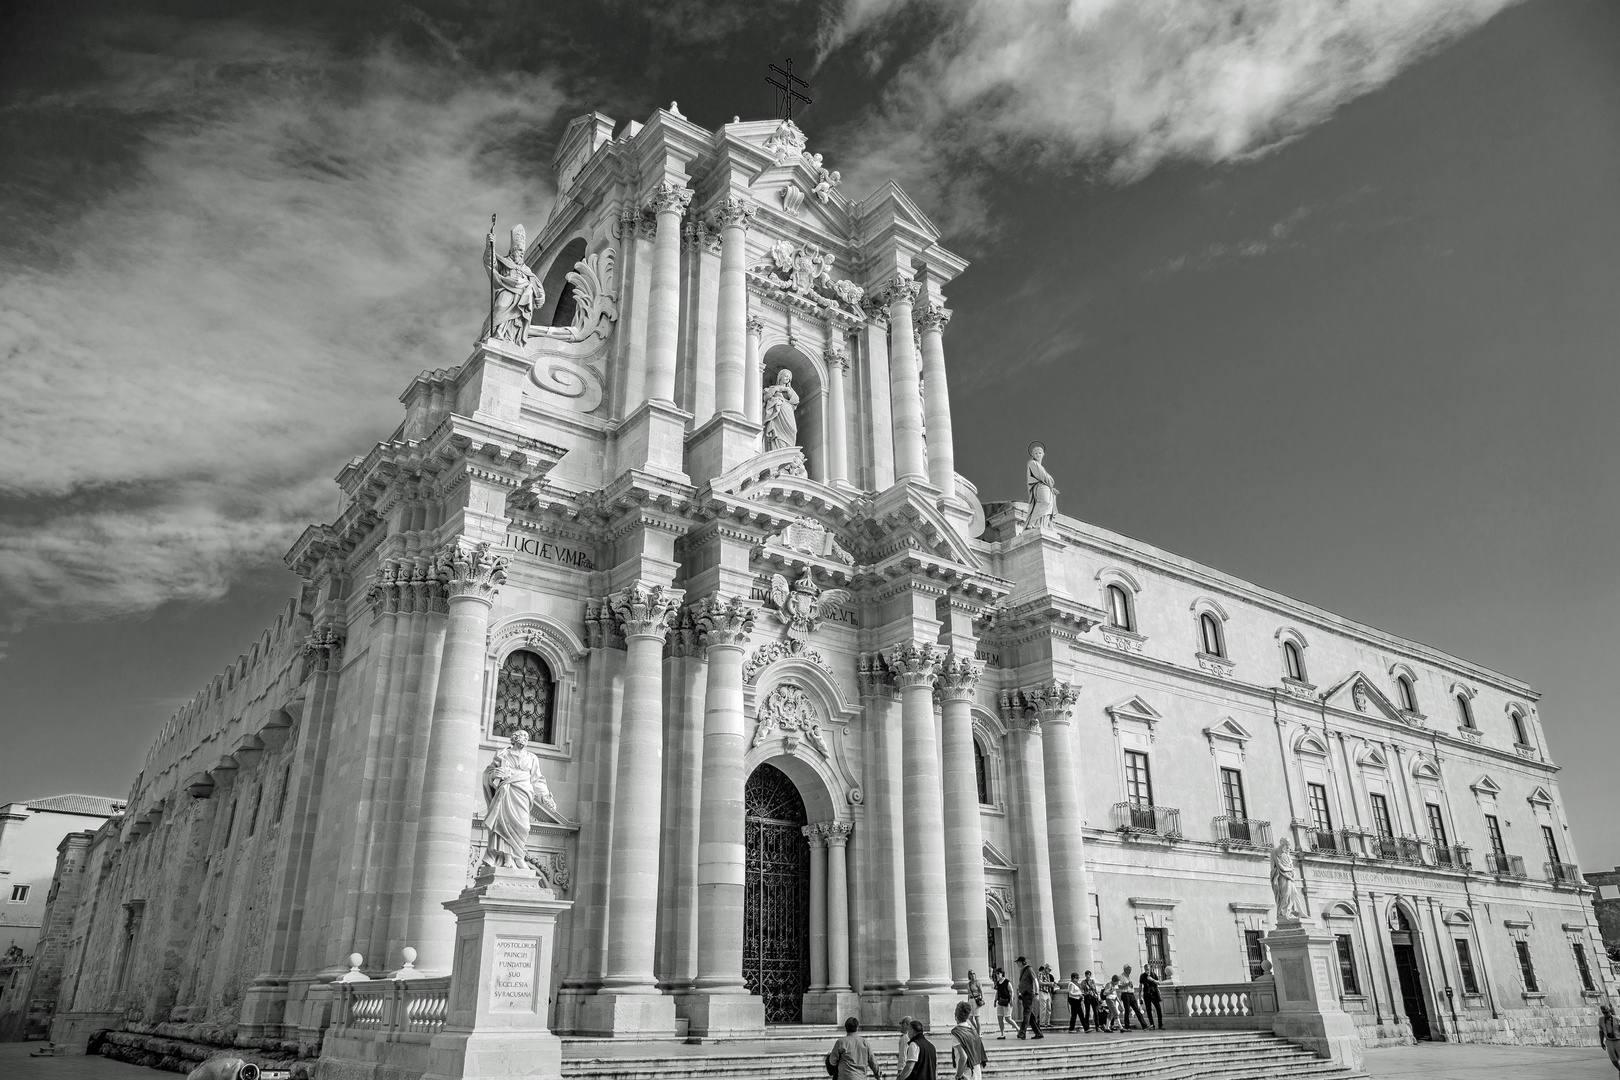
(472, 575)
(667, 203)
(1071, 884)
(1028, 820)
(875, 335)
(910, 462)
(964, 833)
(731, 314)
(816, 836)
(937, 400)
(837, 362)
(753, 372)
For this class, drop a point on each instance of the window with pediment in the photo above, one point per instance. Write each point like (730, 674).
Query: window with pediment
(525, 696)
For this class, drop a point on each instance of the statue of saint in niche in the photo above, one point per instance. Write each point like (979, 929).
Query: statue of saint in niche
(512, 783)
(781, 420)
(515, 290)
(1042, 491)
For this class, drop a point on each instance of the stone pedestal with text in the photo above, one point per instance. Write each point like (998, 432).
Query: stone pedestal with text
(1308, 1009)
(500, 985)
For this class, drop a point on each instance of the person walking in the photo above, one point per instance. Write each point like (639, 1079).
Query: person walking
(1048, 993)
(850, 1058)
(1003, 1001)
(1110, 996)
(1028, 1015)
(975, 994)
(1127, 1000)
(967, 1052)
(1077, 1003)
(921, 1059)
(1091, 1001)
(1609, 1034)
(1151, 999)
(905, 1052)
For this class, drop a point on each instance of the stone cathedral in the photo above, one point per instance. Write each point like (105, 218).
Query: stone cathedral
(822, 730)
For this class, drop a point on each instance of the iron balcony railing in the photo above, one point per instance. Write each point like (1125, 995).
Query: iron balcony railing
(1505, 865)
(1452, 856)
(1405, 849)
(1132, 817)
(1332, 841)
(1563, 873)
(1244, 832)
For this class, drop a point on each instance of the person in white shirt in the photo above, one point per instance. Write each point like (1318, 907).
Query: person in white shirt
(1077, 1003)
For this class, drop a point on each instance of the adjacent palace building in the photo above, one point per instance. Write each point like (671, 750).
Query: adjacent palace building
(825, 732)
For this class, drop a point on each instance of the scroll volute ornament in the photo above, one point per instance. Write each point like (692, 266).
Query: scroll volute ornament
(645, 610)
(471, 570)
(914, 664)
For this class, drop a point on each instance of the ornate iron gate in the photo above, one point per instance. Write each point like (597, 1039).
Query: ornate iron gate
(776, 903)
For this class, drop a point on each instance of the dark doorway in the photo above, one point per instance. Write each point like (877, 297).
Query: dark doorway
(994, 940)
(1406, 967)
(776, 897)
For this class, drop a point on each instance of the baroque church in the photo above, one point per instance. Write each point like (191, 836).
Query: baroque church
(823, 730)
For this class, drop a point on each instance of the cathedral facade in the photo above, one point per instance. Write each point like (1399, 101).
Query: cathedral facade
(823, 730)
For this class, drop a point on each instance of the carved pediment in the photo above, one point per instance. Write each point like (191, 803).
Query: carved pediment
(1228, 730)
(1309, 742)
(1425, 769)
(1359, 694)
(1539, 797)
(1486, 786)
(1134, 709)
(994, 859)
(1370, 757)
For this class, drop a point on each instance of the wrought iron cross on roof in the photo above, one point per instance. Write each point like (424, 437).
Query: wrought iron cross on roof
(787, 90)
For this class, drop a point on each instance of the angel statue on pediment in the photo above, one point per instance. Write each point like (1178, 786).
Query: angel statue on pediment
(515, 290)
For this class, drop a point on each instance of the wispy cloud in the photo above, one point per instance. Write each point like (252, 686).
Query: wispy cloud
(1278, 237)
(1118, 86)
(192, 352)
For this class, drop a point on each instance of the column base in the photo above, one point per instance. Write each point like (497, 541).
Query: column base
(720, 445)
(477, 1055)
(731, 1012)
(264, 1008)
(831, 1006)
(641, 1016)
(935, 1008)
(1308, 1009)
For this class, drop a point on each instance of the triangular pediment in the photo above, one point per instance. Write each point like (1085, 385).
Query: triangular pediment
(1361, 695)
(1134, 708)
(1486, 786)
(994, 858)
(1229, 729)
(1539, 797)
(1371, 757)
(889, 205)
(903, 525)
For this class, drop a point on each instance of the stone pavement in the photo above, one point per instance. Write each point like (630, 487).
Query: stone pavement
(1481, 1061)
(15, 1064)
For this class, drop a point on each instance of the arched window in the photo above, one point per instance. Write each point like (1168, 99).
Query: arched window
(1119, 608)
(1403, 686)
(981, 772)
(1293, 661)
(1210, 627)
(1464, 712)
(524, 693)
(1520, 736)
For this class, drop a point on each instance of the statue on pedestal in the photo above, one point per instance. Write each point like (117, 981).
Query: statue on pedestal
(1042, 491)
(781, 420)
(1285, 885)
(512, 783)
(515, 290)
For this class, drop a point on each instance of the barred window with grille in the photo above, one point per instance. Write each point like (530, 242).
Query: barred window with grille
(1465, 965)
(1527, 970)
(524, 693)
(1347, 964)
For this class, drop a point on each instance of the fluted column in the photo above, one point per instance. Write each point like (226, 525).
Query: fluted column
(837, 360)
(887, 964)
(909, 460)
(1071, 885)
(643, 612)
(450, 787)
(914, 668)
(880, 417)
(964, 833)
(837, 834)
(668, 203)
(937, 400)
(816, 836)
(753, 372)
(731, 308)
(1027, 816)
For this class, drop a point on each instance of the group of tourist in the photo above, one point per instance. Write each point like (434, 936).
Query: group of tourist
(1109, 1006)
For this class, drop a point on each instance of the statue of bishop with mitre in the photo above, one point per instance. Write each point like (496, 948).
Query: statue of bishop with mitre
(515, 290)
(512, 783)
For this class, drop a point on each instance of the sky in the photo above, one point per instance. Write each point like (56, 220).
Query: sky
(1319, 294)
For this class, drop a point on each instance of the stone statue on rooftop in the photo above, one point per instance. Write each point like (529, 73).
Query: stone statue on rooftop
(512, 784)
(1285, 884)
(1042, 491)
(515, 290)
(781, 419)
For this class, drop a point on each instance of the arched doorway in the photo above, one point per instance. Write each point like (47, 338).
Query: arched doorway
(776, 895)
(1407, 965)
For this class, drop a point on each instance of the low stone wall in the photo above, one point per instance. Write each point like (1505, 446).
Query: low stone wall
(366, 1058)
(182, 1047)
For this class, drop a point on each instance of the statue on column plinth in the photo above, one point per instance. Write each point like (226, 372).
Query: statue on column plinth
(1042, 491)
(1285, 885)
(781, 421)
(512, 783)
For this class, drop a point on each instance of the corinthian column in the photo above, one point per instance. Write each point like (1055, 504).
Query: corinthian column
(837, 360)
(754, 372)
(1071, 887)
(816, 836)
(909, 460)
(964, 834)
(629, 1000)
(450, 785)
(937, 400)
(1029, 827)
(837, 834)
(731, 308)
(668, 203)
(720, 1001)
(914, 668)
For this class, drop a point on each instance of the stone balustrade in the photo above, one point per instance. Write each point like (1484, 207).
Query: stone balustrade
(1239, 1006)
(391, 1010)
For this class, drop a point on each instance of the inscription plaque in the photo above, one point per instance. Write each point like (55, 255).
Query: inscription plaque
(513, 974)
(1295, 986)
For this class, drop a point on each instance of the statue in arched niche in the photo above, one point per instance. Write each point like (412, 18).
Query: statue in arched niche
(780, 412)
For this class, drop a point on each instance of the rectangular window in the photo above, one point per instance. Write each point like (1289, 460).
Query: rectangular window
(1158, 949)
(1494, 827)
(1138, 781)
(1582, 967)
(1552, 843)
(1320, 813)
(1347, 964)
(1096, 919)
(1256, 952)
(1465, 965)
(1527, 970)
(1232, 794)
(19, 894)
(1381, 818)
(1437, 825)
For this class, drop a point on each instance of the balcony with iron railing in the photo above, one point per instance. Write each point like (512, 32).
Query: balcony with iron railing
(1242, 832)
(1140, 819)
(1562, 873)
(1451, 857)
(1401, 849)
(1504, 865)
(1331, 841)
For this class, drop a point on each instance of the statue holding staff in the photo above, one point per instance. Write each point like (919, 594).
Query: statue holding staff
(512, 783)
(515, 290)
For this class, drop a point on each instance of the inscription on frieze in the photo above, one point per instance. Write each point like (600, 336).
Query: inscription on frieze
(551, 552)
(513, 974)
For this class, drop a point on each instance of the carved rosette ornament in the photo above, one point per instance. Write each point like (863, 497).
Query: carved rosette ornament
(735, 211)
(645, 610)
(931, 318)
(958, 677)
(668, 198)
(914, 664)
(473, 571)
(726, 623)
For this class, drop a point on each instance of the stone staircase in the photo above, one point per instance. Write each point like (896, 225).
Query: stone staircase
(1212, 1055)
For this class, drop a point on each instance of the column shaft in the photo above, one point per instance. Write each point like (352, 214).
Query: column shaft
(817, 839)
(721, 855)
(964, 833)
(753, 372)
(927, 919)
(887, 964)
(937, 402)
(880, 416)
(906, 402)
(664, 297)
(731, 313)
(837, 907)
(837, 361)
(1071, 886)
(1038, 936)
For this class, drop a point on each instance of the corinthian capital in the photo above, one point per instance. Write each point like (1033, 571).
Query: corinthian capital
(669, 197)
(1052, 701)
(756, 325)
(958, 676)
(470, 570)
(836, 354)
(726, 622)
(735, 211)
(837, 832)
(644, 611)
(913, 664)
(900, 290)
(1015, 715)
(816, 834)
(931, 318)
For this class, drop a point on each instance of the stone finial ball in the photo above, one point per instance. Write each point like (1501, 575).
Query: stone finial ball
(355, 959)
(409, 954)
